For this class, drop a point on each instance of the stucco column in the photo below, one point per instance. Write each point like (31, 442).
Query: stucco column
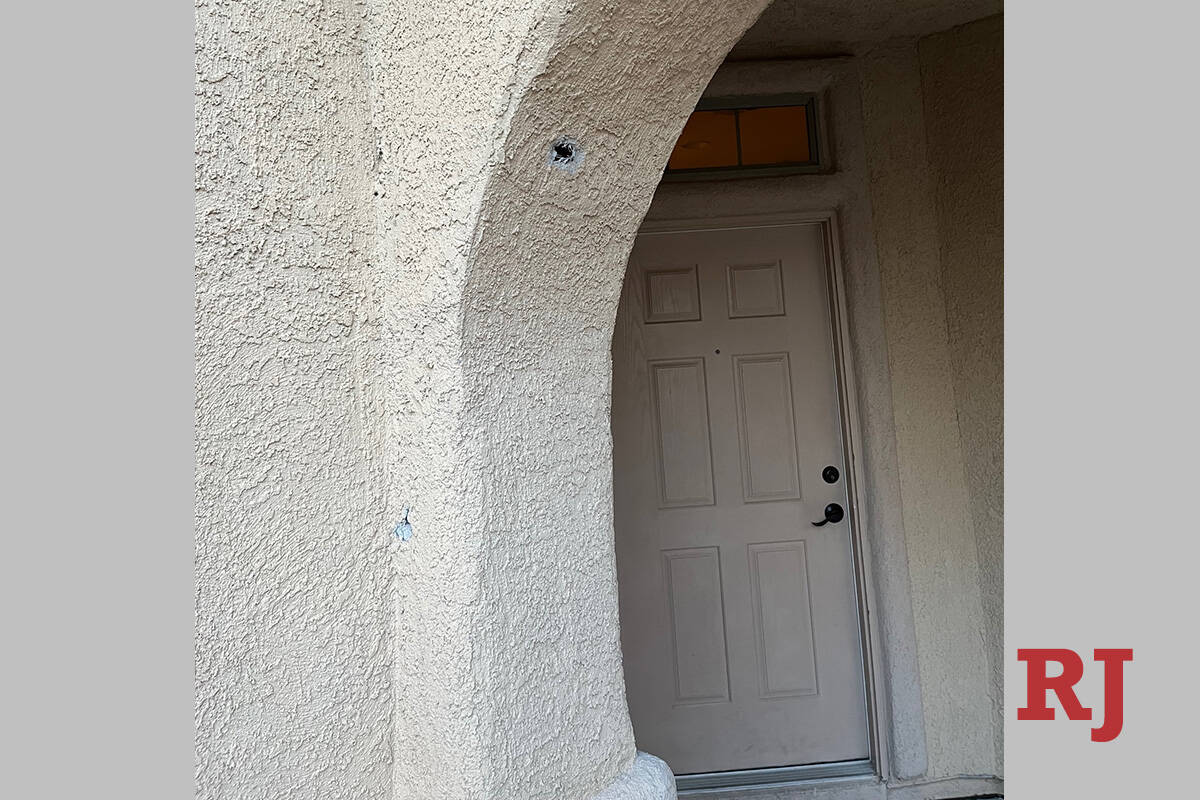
(939, 534)
(498, 269)
(405, 302)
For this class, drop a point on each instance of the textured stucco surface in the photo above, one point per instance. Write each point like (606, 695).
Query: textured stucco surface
(536, 377)
(293, 624)
(498, 278)
(951, 624)
(364, 345)
(441, 92)
(962, 81)
(647, 778)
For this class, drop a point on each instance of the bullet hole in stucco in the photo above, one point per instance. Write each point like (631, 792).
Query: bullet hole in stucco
(566, 154)
(403, 530)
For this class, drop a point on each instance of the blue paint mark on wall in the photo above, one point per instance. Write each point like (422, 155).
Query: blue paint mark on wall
(403, 530)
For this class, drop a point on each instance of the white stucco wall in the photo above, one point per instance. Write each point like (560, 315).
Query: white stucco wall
(512, 380)
(953, 627)
(962, 82)
(443, 80)
(294, 621)
(401, 304)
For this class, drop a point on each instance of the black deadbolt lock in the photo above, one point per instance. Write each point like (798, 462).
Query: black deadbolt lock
(833, 513)
(830, 474)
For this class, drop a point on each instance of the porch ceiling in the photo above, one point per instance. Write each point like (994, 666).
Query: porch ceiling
(809, 28)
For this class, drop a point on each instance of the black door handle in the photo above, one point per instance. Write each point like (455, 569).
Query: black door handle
(833, 513)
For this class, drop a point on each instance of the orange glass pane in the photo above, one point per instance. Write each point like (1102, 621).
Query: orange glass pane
(709, 139)
(777, 135)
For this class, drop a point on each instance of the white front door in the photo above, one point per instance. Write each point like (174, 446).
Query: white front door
(739, 617)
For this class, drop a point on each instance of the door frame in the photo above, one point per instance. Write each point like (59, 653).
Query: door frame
(865, 593)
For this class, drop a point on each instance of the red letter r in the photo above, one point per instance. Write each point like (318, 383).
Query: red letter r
(1039, 684)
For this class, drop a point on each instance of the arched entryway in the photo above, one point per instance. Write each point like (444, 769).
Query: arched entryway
(523, 372)
(413, 226)
(578, 167)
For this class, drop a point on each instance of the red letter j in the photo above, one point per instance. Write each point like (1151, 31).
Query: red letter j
(1114, 693)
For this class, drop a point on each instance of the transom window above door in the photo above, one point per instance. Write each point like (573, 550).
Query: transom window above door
(746, 136)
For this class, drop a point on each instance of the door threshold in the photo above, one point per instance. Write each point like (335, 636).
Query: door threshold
(772, 776)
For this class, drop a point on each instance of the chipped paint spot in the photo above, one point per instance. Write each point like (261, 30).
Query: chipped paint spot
(403, 530)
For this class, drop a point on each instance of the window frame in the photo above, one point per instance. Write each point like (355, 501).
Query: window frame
(815, 164)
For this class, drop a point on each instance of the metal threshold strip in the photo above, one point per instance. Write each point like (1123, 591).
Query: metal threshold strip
(772, 776)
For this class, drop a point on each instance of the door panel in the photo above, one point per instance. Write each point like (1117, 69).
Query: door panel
(679, 398)
(782, 619)
(693, 580)
(739, 619)
(762, 386)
